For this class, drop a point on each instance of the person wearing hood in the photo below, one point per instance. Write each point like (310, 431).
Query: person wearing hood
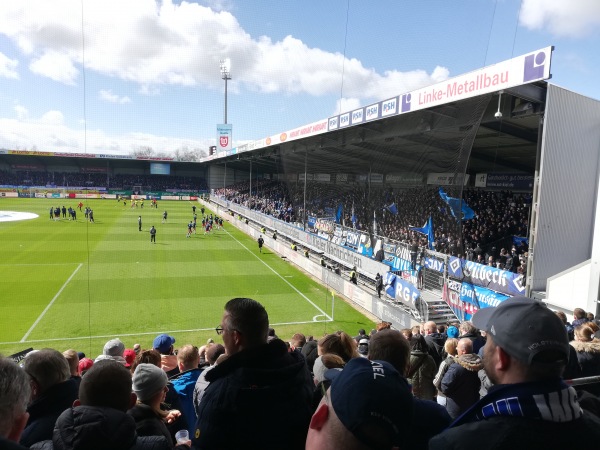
(421, 369)
(588, 355)
(461, 382)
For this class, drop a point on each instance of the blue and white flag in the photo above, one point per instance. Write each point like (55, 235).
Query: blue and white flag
(458, 207)
(339, 212)
(427, 230)
(392, 208)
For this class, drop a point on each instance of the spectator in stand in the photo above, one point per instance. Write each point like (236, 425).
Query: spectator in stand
(468, 331)
(450, 350)
(184, 382)
(570, 330)
(73, 360)
(114, 350)
(322, 364)
(525, 355)
(361, 335)
(579, 317)
(435, 342)
(452, 332)
(149, 383)
(461, 382)
(428, 418)
(340, 344)
(213, 353)
(281, 384)
(52, 391)
(367, 406)
(163, 343)
(14, 396)
(85, 364)
(310, 352)
(98, 420)
(588, 355)
(407, 333)
(297, 343)
(422, 369)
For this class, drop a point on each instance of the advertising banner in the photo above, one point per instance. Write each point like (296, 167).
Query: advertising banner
(508, 283)
(224, 137)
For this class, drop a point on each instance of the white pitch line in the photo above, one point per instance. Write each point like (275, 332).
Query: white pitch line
(276, 273)
(152, 333)
(51, 303)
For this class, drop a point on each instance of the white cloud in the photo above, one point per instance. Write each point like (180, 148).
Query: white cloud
(56, 66)
(8, 67)
(562, 18)
(161, 43)
(22, 113)
(52, 118)
(346, 104)
(108, 96)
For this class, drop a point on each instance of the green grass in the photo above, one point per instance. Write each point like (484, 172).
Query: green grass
(68, 284)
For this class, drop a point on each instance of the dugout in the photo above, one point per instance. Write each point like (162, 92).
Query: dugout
(503, 127)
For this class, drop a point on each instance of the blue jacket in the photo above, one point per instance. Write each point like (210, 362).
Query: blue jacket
(184, 384)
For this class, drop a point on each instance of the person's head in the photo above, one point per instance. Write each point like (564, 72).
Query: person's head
(441, 329)
(340, 343)
(149, 383)
(464, 346)
(590, 316)
(418, 344)
(114, 348)
(163, 343)
(325, 362)
(467, 328)
(579, 313)
(584, 333)
(383, 325)
(562, 316)
(245, 324)
(525, 341)
(15, 392)
(73, 359)
(390, 346)
(213, 352)
(416, 329)
(146, 357)
(129, 356)
(46, 368)
(107, 384)
(452, 332)
(188, 357)
(85, 364)
(363, 347)
(430, 328)
(450, 346)
(298, 340)
(407, 333)
(137, 348)
(593, 325)
(368, 405)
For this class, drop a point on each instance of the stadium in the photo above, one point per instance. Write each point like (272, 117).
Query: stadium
(458, 196)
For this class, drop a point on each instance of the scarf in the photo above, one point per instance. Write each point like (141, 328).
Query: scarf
(551, 401)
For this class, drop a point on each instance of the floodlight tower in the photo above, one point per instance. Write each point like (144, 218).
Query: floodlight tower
(225, 65)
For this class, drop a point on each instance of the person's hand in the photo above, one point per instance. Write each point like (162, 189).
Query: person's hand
(173, 415)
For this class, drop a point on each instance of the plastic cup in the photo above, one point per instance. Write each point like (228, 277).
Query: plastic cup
(182, 436)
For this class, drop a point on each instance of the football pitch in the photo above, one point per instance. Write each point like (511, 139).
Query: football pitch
(75, 284)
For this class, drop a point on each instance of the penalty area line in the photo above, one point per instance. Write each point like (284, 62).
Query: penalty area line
(51, 303)
(323, 313)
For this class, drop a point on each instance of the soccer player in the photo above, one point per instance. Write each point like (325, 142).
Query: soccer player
(190, 226)
(152, 235)
(164, 217)
(261, 241)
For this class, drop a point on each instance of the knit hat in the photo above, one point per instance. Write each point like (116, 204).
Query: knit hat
(524, 328)
(148, 379)
(452, 332)
(372, 395)
(114, 347)
(319, 369)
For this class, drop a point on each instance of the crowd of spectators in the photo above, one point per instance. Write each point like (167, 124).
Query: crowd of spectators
(102, 180)
(426, 387)
(500, 215)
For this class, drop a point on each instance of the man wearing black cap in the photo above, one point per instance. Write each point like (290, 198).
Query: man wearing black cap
(529, 406)
(368, 405)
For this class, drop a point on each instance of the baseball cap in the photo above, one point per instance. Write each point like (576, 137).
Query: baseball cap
(129, 355)
(524, 328)
(371, 395)
(163, 343)
(114, 347)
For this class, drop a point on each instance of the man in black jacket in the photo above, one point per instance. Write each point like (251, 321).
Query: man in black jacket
(256, 376)
(529, 406)
(14, 395)
(52, 391)
(98, 420)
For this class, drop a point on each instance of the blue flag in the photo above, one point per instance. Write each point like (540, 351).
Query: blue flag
(458, 208)
(427, 230)
(392, 208)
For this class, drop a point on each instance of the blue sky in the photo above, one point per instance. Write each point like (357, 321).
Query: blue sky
(112, 76)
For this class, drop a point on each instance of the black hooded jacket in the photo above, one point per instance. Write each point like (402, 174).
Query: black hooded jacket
(257, 398)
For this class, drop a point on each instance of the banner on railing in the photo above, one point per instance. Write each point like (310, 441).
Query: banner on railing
(487, 276)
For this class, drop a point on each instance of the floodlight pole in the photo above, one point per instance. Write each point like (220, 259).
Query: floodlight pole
(225, 75)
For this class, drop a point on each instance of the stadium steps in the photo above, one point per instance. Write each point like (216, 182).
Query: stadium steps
(439, 311)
